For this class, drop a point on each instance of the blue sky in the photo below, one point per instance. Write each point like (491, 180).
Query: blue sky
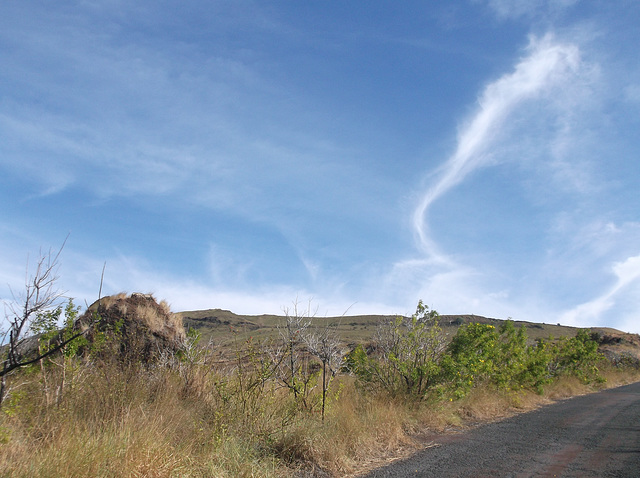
(480, 155)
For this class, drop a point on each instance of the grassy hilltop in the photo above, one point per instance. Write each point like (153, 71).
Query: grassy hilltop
(224, 327)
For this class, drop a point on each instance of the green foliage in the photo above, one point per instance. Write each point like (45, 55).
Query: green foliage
(53, 327)
(106, 340)
(46, 324)
(357, 363)
(471, 357)
(536, 373)
(410, 350)
(190, 352)
(479, 354)
(412, 360)
(13, 405)
(5, 435)
(577, 356)
(251, 387)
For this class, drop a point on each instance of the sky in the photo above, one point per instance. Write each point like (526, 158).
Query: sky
(480, 155)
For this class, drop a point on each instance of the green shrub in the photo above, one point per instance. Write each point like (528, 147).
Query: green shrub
(577, 356)
(356, 362)
(480, 354)
(408, 351)
(470, 358)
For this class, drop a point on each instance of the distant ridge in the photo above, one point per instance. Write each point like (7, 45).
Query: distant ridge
(224, 326)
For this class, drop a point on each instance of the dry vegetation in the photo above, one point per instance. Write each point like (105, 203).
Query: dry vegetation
(139, 319)
(182, 412)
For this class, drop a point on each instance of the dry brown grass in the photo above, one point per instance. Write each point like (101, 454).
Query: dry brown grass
(134, 422)
(616, 377)
(127, 423)
(157, 319)
(565, 387)
(194, 420)
(358, 432)
(109, 300)
(156, 316)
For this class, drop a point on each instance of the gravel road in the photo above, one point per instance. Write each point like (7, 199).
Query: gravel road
(588, 436)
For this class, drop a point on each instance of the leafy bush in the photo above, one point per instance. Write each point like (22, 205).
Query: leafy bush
(357, 363)
(45, 326)
(479, 354)
(409, 353)
(577, 356)
(470, 358)
(410, 358)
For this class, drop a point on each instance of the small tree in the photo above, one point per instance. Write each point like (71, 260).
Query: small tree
(325, 345)
(41, 295)
(291, 362)
(410, 350)
(46, 327)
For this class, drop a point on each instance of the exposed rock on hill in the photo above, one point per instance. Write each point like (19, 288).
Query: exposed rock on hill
(619, 347)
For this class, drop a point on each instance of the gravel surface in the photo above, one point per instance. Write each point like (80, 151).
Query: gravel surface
(596, 435)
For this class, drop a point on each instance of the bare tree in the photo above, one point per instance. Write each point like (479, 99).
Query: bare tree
(326, 346)
(289, 357)
(40, 295)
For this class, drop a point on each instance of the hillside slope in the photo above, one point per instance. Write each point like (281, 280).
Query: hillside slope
(224, 328)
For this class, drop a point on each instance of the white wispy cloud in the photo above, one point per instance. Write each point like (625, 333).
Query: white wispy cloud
(627, 275)
(547, 65)
(544, 97)
(578, 245)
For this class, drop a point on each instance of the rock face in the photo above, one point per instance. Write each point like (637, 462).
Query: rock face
(619, 348)
(132, 328)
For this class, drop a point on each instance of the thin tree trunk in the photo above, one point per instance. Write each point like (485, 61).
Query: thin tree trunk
(3, 385)
(324, 386)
